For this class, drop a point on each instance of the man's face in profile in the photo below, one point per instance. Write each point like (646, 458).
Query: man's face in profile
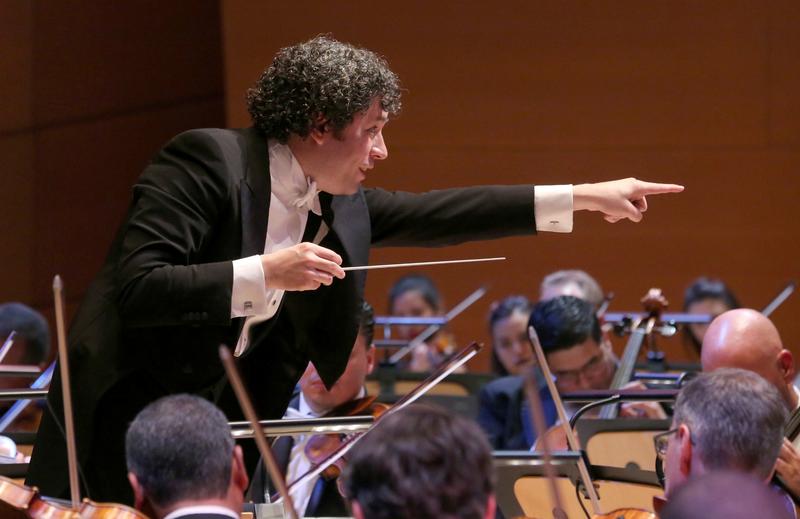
(350, 153)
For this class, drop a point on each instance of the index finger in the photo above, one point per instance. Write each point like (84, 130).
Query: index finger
(653, 188)
(327, 254)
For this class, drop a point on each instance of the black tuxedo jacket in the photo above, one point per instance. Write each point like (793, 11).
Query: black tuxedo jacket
(153, 319)
(506, 418)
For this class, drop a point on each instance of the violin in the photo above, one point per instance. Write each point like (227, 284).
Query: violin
(320, 446)
(18, 501)
(21, 501)
(349, 442)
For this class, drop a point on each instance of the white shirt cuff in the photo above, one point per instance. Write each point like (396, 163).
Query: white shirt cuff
(552, 206)
(249, 294)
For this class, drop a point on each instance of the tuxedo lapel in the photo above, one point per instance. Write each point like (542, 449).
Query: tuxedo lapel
(348, 217)
(255, 194)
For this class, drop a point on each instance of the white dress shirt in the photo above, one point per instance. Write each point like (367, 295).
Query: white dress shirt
(202, 509)
(293, 194)
(299, 464)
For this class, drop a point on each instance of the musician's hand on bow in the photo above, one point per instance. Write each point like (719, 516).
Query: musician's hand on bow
(788, 466)
(304, 266)
(619, 199)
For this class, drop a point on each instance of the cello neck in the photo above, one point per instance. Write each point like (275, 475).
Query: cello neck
(625, 369)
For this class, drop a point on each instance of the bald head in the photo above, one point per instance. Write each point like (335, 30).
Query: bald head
(745, 339)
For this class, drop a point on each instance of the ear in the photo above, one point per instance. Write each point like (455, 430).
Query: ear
(370, 358)
(786, 365)
(684, 438)
(238, 471)
(319, 129)
(491, 506)
(138, 491)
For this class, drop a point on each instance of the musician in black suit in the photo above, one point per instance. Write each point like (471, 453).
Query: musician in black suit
(182, 461)
(239, 237)
(320, 497)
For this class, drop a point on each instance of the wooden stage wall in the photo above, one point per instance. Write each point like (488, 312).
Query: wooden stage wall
(701, 93)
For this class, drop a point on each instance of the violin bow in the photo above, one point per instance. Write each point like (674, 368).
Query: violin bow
(41, 382)
(779, 299)
(430, 330)
(69, 425)
(583, 470)
(261, 440)
(7, 345)
(440, 373)
(537, 417)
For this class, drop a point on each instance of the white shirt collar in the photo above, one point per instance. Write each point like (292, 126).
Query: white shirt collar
(202, 509)
(289, 184)
(304, 409)
(796, 392)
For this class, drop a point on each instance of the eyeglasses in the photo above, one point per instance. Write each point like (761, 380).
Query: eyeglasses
(591, 369)
(661, 442)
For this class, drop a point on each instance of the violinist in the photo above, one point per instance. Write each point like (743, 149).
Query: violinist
(320, 497)
(705, 296)
(746, 339)
(239, 236)
(728, 419)
(421, 463)
(579, 357)
(508, 327)
(182, 461)
(416, 295)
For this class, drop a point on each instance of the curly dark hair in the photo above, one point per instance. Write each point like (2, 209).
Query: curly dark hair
(421, 463)
(320, 78)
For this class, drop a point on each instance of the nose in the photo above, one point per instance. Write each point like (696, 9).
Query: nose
(379, 150)
(583, 382)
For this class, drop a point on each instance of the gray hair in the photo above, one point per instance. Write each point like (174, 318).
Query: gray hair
(180, 447)
(736, 419)
(590, 287)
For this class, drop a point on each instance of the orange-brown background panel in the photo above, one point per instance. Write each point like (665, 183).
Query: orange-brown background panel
(703, 94)
(549, 92)
(90, 91)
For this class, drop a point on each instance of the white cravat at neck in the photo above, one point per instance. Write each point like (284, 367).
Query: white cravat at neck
(289, 184)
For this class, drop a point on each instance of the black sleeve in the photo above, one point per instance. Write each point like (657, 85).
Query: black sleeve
(450, 216)
(177, 202)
